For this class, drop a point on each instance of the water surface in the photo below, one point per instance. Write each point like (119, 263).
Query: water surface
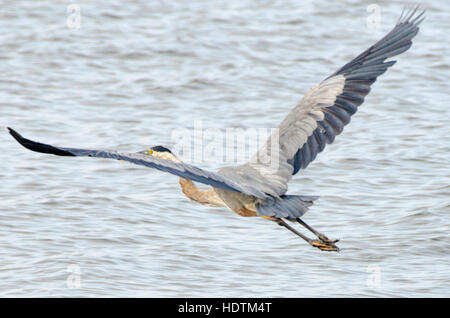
(136, 71)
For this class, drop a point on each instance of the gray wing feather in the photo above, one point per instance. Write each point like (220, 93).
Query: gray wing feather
(179, 169)
(327, 107)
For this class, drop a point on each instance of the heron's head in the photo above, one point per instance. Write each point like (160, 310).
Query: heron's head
(161, 152)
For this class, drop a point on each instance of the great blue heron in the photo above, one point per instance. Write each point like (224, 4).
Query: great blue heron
(253, 189)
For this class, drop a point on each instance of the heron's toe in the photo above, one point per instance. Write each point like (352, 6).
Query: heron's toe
(325, 246)
(326, 240)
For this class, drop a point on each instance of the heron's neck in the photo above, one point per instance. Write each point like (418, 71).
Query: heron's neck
(206, 197)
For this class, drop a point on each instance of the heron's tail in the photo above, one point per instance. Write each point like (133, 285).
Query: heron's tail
(289, 207)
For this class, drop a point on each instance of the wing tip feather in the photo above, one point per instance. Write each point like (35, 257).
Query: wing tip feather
(37, 146)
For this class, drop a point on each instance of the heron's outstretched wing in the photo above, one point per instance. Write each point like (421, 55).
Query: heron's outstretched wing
(179, 169)
(327, 107)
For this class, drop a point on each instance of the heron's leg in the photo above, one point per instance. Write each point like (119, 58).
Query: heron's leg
(319, 244)
(321, 236)
(290, 228)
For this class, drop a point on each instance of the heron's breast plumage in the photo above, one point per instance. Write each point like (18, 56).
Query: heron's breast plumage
(242, 204)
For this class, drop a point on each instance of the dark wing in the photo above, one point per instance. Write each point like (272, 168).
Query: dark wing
(182, 170)
(327, 107)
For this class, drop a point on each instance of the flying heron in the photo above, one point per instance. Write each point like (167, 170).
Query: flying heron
(254, 189)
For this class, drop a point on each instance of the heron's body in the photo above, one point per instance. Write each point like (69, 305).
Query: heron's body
(240, 203)
(257, 188)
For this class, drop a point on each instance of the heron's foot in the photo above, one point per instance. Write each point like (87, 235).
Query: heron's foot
(328, 246)
(326, 240)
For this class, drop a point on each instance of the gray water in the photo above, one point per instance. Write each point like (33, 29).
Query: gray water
(135, 71)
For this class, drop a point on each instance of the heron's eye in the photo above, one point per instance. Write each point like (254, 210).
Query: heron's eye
(149, 152)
